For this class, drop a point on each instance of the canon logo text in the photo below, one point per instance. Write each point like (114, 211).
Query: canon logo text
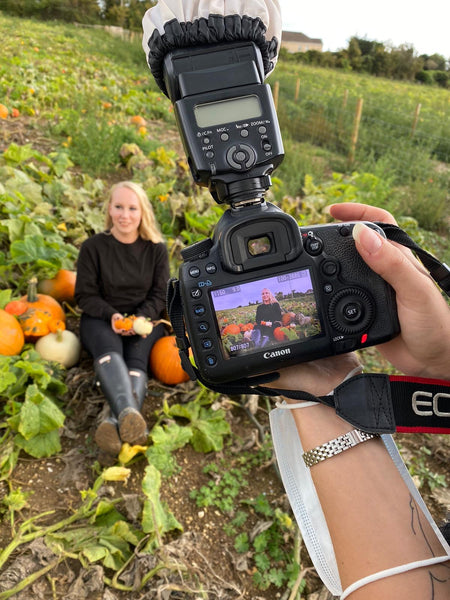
(276, 353)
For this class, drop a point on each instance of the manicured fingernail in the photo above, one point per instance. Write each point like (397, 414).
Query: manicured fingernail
(369, 240)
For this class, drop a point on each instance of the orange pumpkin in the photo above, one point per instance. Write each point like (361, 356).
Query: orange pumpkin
(3, 111)
(287, 318)
(11, 335)
(61, 287)
(41, 311)
(165, 362)
(232, 329)
(138, 120)
(279, 334)
(16, 307)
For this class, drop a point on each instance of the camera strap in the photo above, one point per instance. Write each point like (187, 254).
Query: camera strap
(440, 272)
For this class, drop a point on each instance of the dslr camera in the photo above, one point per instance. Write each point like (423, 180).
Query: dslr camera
(262, 293)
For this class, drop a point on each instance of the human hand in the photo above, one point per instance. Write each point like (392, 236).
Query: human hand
(318, 377)
(423, 347)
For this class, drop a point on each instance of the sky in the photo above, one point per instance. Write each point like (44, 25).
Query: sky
(422, 25)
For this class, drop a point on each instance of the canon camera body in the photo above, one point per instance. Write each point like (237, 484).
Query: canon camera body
(262, 293)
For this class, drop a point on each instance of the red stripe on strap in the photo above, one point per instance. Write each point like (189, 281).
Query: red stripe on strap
(403, 429)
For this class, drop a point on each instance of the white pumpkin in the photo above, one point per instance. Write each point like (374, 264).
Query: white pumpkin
(142, 326)
(63, 347)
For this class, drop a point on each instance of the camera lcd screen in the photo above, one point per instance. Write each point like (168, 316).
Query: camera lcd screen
(227, 111)
(267, 313)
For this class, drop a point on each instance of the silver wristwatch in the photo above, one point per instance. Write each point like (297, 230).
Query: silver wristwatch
(336, 446)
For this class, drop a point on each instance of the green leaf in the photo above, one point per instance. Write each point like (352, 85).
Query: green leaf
(208, 426)
(29, 425)
(171, 436)
(5, 297)
(241, 543)
(155, 517)
(41, 445)
(7, 376)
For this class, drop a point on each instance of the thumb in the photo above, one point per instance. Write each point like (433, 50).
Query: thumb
(391, 263)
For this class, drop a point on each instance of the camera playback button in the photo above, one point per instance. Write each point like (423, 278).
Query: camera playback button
(203, 326)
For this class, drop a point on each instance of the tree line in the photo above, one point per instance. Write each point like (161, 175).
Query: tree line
(375, 58)
(124, 13)
(361, 55)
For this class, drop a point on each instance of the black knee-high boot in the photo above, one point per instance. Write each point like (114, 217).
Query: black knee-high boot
(139, 382)
(112, 373)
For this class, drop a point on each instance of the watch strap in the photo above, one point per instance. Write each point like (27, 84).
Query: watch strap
(336, 446)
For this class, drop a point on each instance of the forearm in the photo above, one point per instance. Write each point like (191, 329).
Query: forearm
(373, 520)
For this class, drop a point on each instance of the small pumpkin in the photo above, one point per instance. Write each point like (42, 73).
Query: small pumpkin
(41, 311)
(287, 318)
(11, 335)
(125, 323)
(232, 329)
(279, 334)
(165, 362)
(63, 347)
(142, 326)
(16, 307)
(61, 287)
(42, 301)
(3, 111)
(138, 120)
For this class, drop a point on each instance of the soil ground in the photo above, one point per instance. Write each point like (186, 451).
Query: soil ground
(210, 561)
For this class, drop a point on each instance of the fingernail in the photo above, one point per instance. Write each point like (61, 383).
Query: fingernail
(327, 208)
(370, 241)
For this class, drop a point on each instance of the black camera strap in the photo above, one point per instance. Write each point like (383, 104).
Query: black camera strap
(373, 402)
(440, 272)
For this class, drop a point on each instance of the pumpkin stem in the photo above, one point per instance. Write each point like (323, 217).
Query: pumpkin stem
(32, 289)
(168, 323)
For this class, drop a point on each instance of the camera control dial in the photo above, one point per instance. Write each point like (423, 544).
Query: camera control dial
(351, 311)
(241, 157)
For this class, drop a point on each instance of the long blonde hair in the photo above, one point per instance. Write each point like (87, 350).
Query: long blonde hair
(148, 227)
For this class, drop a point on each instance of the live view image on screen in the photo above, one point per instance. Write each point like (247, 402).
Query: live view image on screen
(267, 313)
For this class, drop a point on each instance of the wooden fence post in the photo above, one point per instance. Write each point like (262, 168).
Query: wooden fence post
(416, 119)
(276, 89)
(356, 122)
(297, 89)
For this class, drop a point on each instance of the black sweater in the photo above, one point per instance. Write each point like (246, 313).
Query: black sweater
(125, 278)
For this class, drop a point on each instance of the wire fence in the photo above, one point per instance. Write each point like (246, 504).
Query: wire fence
(362, 129)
